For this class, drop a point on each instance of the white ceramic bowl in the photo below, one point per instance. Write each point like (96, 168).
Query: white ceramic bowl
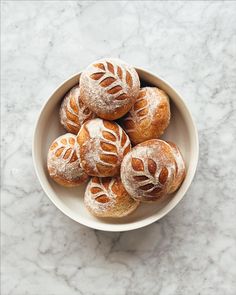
(181, 130)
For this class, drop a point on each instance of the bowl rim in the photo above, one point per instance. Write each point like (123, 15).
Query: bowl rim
(136, 224)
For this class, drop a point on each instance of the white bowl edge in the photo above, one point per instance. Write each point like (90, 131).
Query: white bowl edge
(137, 224)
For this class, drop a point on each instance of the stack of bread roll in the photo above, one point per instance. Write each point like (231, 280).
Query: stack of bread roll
(127, 162)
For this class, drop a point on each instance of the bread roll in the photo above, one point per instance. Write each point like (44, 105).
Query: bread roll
(102, 145)
(180, 168)
(106, 197)
(149, 116)
(148, 171)
(73, 112)
(63, 163)
(109, 87)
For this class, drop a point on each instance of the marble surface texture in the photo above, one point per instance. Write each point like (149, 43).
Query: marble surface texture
(190, 251)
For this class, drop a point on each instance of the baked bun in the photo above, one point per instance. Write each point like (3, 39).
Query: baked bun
(149, 116)
(63, 163)
(109, 87)
(107, 197)
(73, 112)
(180, 172)
(101, 146)
(148, 171)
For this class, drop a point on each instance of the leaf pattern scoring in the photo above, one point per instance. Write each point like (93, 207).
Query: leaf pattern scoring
(101, 189)
(106, 197)
(63, 162)
(139, 112)
(147, 175)
(64, 149)
(114, 78)
(74, 112)
(112, 145)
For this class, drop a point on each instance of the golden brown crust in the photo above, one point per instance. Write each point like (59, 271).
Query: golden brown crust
(109, 88)
(73, 112)
(69, 183)
(107, 197)
(62, 162)
(180, 167)
(148, 171)
(102, 146)
(149, 116)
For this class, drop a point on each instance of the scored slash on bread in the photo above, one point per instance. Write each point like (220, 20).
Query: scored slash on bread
(63, 163)
(148, 117)
(102, 146)
(121, 177)
(107, 77)
(109, 88)
(73, 112)
(107, 197)
(150, 171)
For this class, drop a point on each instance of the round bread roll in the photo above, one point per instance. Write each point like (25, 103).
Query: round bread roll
(180, 172)
(109, 87)
(73, 112)
(107, 197)
(149, 116)
(101, 146)
(148, 171)
(63, 163)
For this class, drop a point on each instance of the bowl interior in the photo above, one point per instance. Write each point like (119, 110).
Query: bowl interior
(181, 131)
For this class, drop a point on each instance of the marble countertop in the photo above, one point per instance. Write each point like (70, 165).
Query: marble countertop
(190, 251)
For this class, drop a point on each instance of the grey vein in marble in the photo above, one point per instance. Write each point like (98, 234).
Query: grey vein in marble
(193, 249)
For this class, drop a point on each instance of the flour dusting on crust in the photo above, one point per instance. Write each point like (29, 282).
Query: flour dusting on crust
(63, 161)
(149, 116)
(106, 146)
(148, 170)
(106, 197)
(73, 112)
(96, 190)
(180, 167)
(109, 84)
